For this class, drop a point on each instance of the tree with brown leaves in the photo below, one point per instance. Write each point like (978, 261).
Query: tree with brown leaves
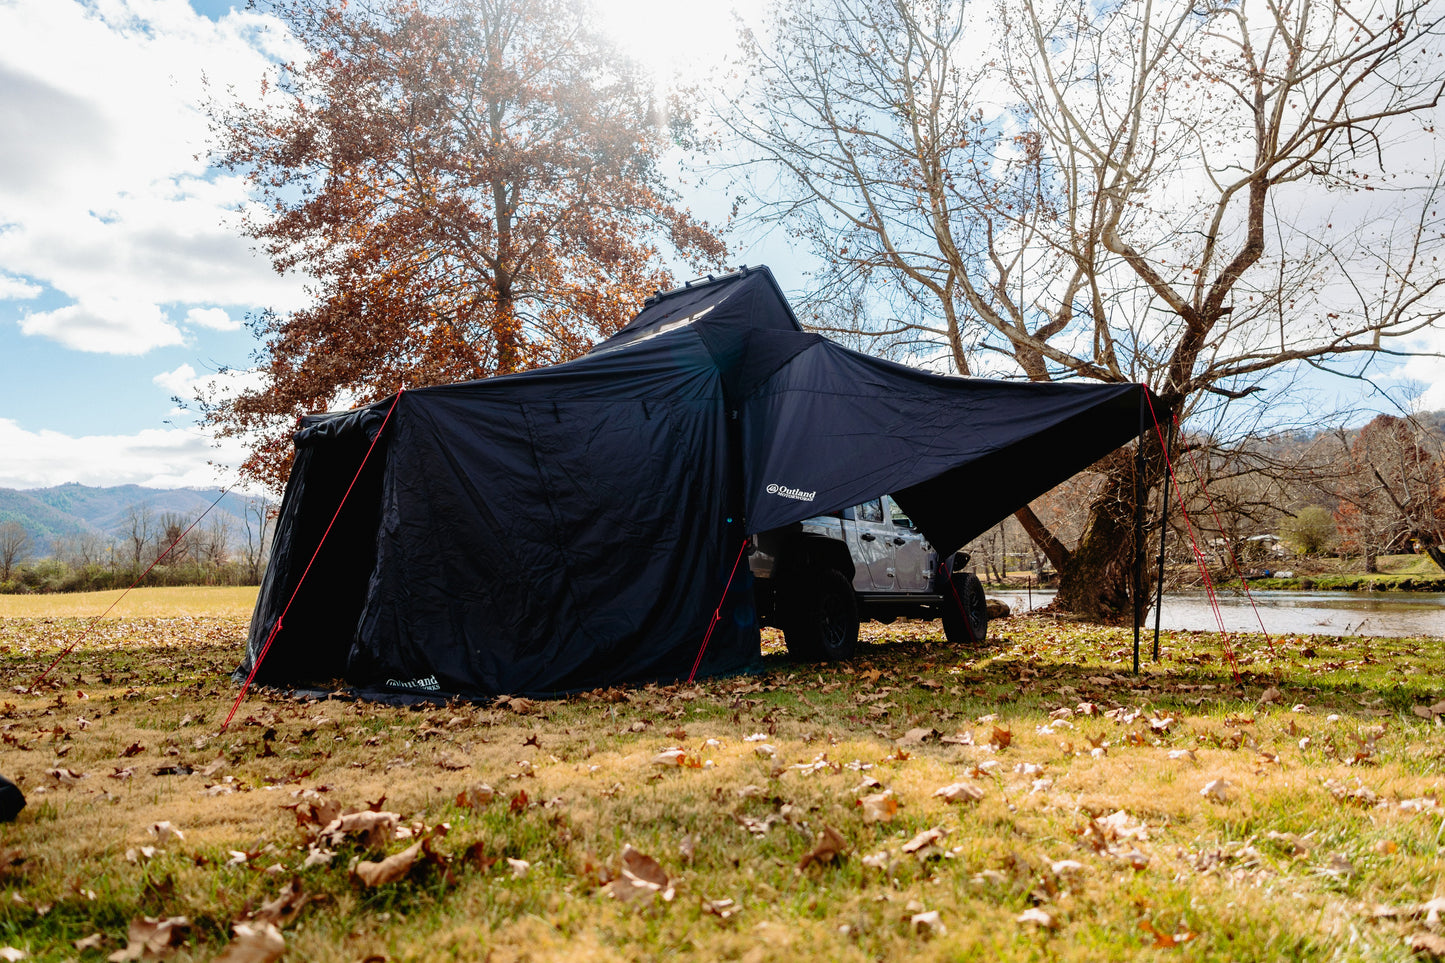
(1393, 497)
(472, 188)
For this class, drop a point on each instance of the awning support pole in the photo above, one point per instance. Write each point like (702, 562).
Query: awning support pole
(1163, 530)
(1139, 527)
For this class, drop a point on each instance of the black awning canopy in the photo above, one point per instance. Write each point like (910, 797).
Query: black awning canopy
(573, 527)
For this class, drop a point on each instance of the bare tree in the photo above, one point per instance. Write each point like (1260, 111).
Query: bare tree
(14, 544)
(79, 549)
(213, 543)
(136, 531)
(1170, 192)
(174, 534)
(258, 518)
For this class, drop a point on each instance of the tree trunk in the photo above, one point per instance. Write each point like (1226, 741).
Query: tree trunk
(1371, 566)
(1437, 555)
(1047, 542)
(1096, 577)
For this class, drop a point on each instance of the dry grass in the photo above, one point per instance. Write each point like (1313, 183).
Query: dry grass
(140, 603)
(1324, 842)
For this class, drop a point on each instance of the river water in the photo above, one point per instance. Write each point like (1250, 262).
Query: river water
(1286, 613)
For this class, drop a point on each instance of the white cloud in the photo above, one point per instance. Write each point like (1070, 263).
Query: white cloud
(156, 458)
(17, 289)
(177, 383)
(109, 325)
(1428, 374)
(104, 189)
(184, 383)
(214, 318)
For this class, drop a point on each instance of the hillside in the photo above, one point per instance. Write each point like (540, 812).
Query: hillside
(72, 510)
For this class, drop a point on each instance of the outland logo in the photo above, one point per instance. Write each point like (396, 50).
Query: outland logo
(430, 682)
(793, 493)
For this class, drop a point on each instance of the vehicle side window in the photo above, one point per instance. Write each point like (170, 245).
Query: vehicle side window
(900, 518)
(869, 511)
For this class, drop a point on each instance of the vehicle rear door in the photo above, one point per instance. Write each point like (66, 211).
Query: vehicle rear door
(913, 557)
(871, 542)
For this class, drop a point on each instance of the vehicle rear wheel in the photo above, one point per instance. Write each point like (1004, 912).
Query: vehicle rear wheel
(822, 619)
(970, 626)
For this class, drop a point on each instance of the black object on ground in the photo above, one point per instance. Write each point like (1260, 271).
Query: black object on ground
(12, 800)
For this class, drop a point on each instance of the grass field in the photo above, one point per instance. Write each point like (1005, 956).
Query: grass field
(1026, 800)
(226, 602)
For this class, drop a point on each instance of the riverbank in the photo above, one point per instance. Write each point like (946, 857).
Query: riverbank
(1395, 573)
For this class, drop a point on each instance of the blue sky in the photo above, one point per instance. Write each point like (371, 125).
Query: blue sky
(122, 279)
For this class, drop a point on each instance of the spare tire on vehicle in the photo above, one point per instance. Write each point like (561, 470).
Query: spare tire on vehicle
(965, 610)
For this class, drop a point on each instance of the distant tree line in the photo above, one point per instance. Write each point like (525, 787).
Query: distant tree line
(170, 548)
(1362, 493)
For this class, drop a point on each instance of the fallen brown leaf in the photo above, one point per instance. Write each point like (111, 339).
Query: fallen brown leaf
(149, 938)
(285, 907)
(1038, 917)
(389, 870)
(164, 832)
(254, 943)
(476, 796)
(1425, 942)
(830, 843)
(722, 908)
(642, 877)
(879, 807)
(928, 924)
(1166, 941)
(923, 840)
(960, 792)
(375, 829)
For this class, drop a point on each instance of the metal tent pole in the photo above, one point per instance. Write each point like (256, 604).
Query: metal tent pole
(1163, 530)
(1139, 527)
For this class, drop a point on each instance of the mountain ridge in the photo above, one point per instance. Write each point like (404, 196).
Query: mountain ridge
(73, 510)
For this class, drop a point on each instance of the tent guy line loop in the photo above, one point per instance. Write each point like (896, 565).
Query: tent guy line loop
(94, 619)
(717, 612)
(275, 629)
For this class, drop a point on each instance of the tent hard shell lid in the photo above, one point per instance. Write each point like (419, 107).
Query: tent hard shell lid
(575, 526)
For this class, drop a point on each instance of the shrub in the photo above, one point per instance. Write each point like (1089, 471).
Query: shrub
(1311, 531)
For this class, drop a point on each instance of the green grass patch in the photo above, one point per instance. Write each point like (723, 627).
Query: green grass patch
(1284, 803)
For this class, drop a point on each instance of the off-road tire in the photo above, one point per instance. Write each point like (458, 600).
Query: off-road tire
(973, 629)
(821, 623)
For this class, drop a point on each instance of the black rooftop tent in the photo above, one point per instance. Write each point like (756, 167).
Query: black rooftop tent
(575, 526)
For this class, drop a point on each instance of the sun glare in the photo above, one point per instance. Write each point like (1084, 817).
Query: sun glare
(672, 40)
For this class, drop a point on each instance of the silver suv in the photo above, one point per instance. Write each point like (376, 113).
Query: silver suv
(816, 579)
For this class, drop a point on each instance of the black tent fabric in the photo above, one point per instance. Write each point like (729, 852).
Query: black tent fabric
(574, 527)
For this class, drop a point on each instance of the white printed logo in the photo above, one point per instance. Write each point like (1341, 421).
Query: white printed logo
(793, 493)
(430, 682)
